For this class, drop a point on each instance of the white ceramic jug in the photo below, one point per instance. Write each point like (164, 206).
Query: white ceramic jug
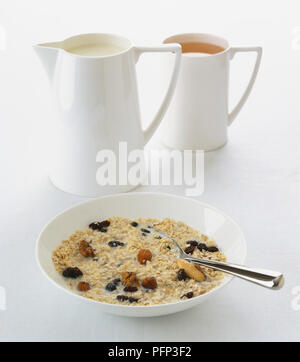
(198, 117)
(97, 103)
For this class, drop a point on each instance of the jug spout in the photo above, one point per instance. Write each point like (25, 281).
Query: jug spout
(47, 53)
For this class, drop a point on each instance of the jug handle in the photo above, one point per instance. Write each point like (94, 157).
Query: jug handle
(174, 48)
(233, 51)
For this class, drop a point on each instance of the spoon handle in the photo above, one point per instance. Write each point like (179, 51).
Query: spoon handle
(265, 278)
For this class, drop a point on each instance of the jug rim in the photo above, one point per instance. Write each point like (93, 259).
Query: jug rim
(212, 38)
(62, 45)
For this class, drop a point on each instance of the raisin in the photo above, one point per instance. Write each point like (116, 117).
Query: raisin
(115, 243)
(72, 273)
(132, 300)
(134, 224)
(168, 247)
(146, 231)
(116, 281)
(158, 237)
(212, 249)
(85, 249)
(192, 242)
(122, 298)
(130, 289)
(149, 283)
(94, 225)
(83, 286)
(111, 287)
(144, 255)
(100, 226)
(188, 295)
(182, 275)
(95, 259)
(190, 249)
(202, 246)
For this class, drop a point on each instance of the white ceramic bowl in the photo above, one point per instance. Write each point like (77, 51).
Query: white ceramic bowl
(200, 216)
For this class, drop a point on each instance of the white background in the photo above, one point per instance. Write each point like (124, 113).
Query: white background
(255, 178)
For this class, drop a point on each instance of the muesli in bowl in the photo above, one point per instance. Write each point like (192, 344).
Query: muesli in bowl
(123, 261)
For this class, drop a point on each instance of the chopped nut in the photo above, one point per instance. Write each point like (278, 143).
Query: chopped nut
(144, 255)
(129, 279)
(191, 270)
(85, 249)
(149, 283)
(83, 286)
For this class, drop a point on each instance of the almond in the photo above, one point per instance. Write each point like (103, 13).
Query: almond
(191, 270)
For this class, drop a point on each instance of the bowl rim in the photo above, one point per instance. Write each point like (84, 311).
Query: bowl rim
(193, 301)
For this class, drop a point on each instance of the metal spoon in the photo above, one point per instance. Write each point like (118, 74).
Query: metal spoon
(265, 278)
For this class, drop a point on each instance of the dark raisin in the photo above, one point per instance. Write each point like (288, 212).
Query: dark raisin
(188, 295)
(158, 237)
(122, 298)
(212, 249)
(95, 259)
(168, 247)
(192, 242)
(72, 273)
(94, 225)
(132, 300)
(190, 249)
(130, 289)
(100, 226)
(116, 281)
(144, 234)
(181, 275)
(111, 287)
(104, 224)
(202, 246)
(115, 243)
(134, 224)
(146, 231)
